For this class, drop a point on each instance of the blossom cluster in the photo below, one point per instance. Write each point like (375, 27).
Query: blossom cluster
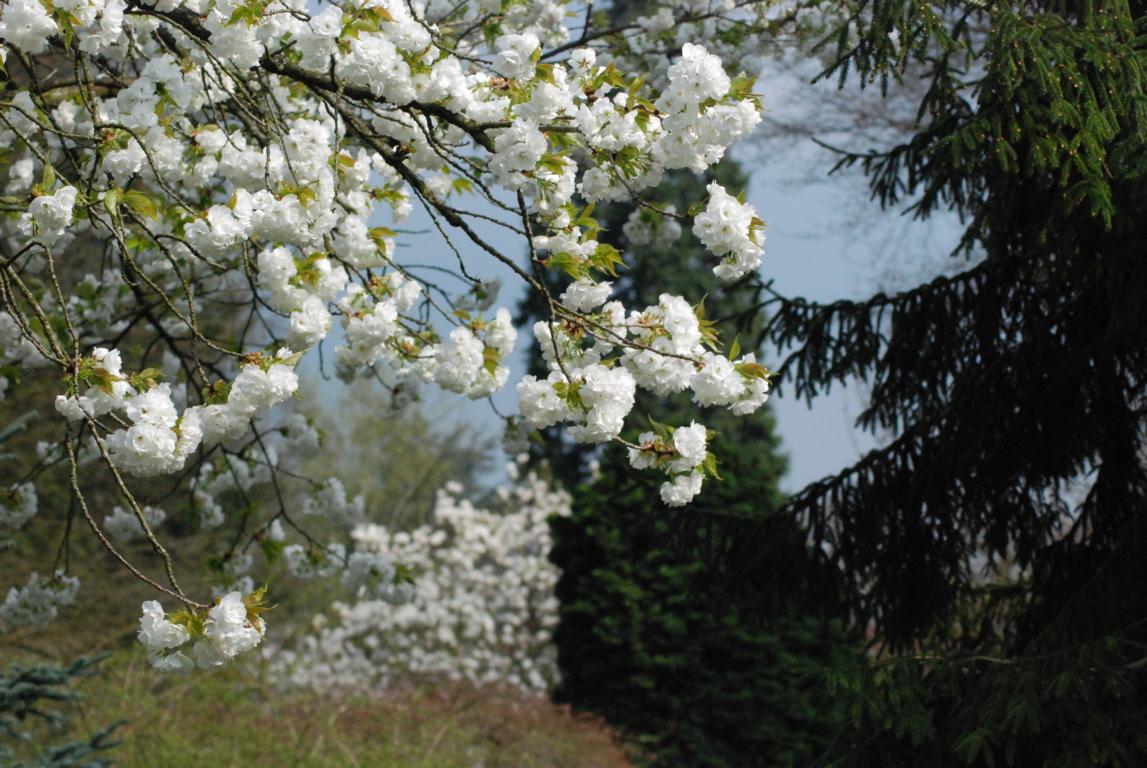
(17, 505)
(185, 640)
(160, 439)
(123, 525)
(682, 453)
(39, 600)
(592, 382)
(731, 229)
(478, 603)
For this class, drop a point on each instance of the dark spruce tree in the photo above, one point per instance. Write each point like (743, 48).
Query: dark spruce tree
(29, 718)
(996, 543)
(655, 634)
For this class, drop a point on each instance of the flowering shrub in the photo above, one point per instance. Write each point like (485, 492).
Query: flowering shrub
(193, 198)
(476, 601)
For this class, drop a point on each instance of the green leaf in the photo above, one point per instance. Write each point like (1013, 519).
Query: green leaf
(111, 202)
(272, 550)
(291, 360)
(554, 163)
(145, 379)
(185, 618)
(969, 746)
(575, 268)
(752, 370)
(661, 430)
(141, 203)
(255, 603)
(710, 465)
(606, 258)
(585, 218)
(544, 72)
(735, 348)
(490, 360)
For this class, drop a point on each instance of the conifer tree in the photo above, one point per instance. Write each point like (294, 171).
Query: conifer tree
(29, 697)
(994, 545)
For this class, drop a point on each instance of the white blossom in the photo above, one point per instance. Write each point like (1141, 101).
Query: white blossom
(39, 600)
(160, 636)
(730, 230)
(18, 504)
(480, 605)
(515, 55)
(123, 525)
(227, 632)
(26, 25)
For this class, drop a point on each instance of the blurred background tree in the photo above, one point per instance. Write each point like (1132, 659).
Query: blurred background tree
(657, 635)
(397, 458)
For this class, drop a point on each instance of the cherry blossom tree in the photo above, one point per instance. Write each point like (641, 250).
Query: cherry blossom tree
(198, 194)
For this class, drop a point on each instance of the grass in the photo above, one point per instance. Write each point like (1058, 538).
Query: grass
(232, 718)
(236, 717)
